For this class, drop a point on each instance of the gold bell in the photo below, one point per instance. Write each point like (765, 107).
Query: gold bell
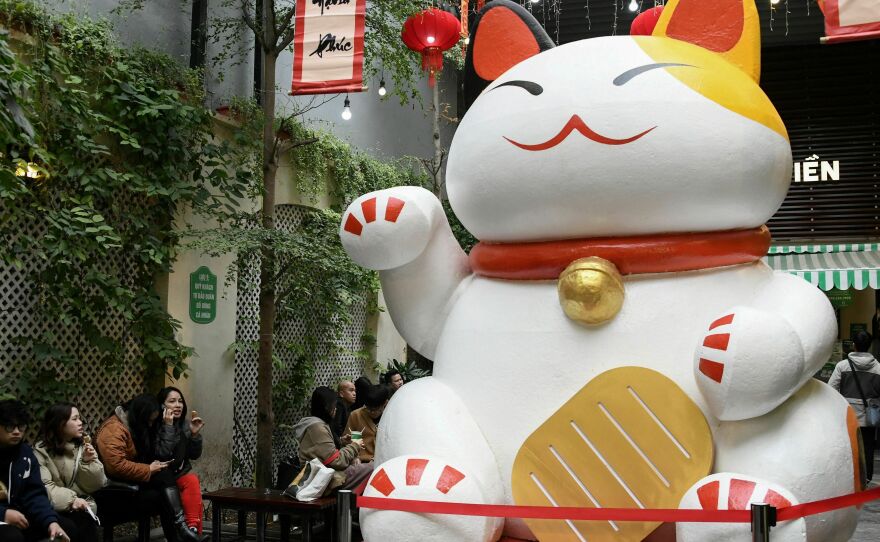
(591, 290)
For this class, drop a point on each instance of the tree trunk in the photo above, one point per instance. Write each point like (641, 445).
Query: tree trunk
(265, 415)
(438, 149)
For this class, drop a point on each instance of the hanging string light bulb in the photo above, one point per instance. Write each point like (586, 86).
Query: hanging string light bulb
(346, 109)
(634, 6)
(614, 24)
(557, 11)
(382, 90)
(587, 15)
(787, 12)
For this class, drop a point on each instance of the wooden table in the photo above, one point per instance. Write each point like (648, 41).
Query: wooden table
(265, 502)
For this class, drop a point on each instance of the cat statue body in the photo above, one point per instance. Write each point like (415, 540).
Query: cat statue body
(640, 169)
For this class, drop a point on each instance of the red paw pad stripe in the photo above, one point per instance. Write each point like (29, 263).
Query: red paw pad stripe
(712, 369)
(708, 495)
(368, 206)
(382, 483)
(353, 225)
(740, 493)
(393, 209)
(448, 478)
(414, 470)
(718, 341)
(776, 500)
(724, 320)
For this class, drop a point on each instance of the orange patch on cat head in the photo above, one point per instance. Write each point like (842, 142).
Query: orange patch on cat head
(690, 21)
(503, 40)
(729, 28)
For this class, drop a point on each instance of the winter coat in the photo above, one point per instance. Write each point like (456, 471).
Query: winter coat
(316, 441)
(116, 446)
(176, 443)
(868, 373)
(341, 418)
(25, 491)
(57, 472)
(360, 420)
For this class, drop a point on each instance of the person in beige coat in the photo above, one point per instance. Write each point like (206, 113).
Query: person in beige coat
(317, 441)
(70, 468)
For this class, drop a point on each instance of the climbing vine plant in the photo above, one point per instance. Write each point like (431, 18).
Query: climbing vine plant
(315, 282)
(100, 148)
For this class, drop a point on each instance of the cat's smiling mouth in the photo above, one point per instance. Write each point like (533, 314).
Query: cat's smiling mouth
(576, 123)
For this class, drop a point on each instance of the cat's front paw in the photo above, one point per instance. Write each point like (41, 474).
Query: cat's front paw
(424, 478)
(388, 228)
(728, 491)
(747, 363)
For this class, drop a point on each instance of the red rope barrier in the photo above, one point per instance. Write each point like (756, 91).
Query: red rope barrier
(613, 514)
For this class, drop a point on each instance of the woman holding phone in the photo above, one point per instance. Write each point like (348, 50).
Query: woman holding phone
(70, 469)
(179, 441)
(126, 443)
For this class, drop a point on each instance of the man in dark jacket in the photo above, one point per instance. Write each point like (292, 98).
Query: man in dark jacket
(24, 506)
(853, 386)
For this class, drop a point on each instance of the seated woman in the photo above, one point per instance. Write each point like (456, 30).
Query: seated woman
(125, 443)
(70, 469)
(317, 440)
(179, 440)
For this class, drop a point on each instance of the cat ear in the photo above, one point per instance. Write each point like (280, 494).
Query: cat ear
(730, 28)
(504, 34)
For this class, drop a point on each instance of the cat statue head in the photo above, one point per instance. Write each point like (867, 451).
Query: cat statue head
(619, 135)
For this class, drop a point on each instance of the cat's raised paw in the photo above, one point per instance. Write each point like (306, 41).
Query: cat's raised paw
(389, 228)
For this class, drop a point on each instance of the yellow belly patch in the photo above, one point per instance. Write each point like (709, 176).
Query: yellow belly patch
(630, 438)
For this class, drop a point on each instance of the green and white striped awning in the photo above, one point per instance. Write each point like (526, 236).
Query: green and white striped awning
(816, 249)
(830, 269)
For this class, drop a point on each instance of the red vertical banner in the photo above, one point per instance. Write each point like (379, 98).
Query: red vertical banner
(328, 46)
(850, 20)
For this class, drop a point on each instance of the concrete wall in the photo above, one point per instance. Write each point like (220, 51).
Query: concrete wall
(161, 24)
(210, 387)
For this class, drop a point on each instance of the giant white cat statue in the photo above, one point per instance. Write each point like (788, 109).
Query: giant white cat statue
(614, 339)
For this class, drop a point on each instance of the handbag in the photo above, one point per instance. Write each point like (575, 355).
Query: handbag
(872, 408)
(311, 482)
(287, 471)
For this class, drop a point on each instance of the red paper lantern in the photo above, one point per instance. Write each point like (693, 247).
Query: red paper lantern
(429, 33)
(644, 23)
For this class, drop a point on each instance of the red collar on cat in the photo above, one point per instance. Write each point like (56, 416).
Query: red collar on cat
(632, 255)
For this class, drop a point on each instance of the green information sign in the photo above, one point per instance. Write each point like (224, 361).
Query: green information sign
(202, 296)
(840, 298)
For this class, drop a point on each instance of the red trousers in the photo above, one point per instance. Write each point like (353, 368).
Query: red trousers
(191, 499)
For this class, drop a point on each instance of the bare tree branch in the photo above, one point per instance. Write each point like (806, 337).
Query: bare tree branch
(287, 147)
(285, 39)
(312, 105)
(282, 28)
(251, 23)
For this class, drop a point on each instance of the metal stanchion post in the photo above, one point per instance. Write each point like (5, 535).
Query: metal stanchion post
(343, 515)
(763, 517)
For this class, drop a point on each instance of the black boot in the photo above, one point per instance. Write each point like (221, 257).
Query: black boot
(171, 499)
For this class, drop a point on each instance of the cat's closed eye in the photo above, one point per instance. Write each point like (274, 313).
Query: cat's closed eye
(626, 76)
(532, 88)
